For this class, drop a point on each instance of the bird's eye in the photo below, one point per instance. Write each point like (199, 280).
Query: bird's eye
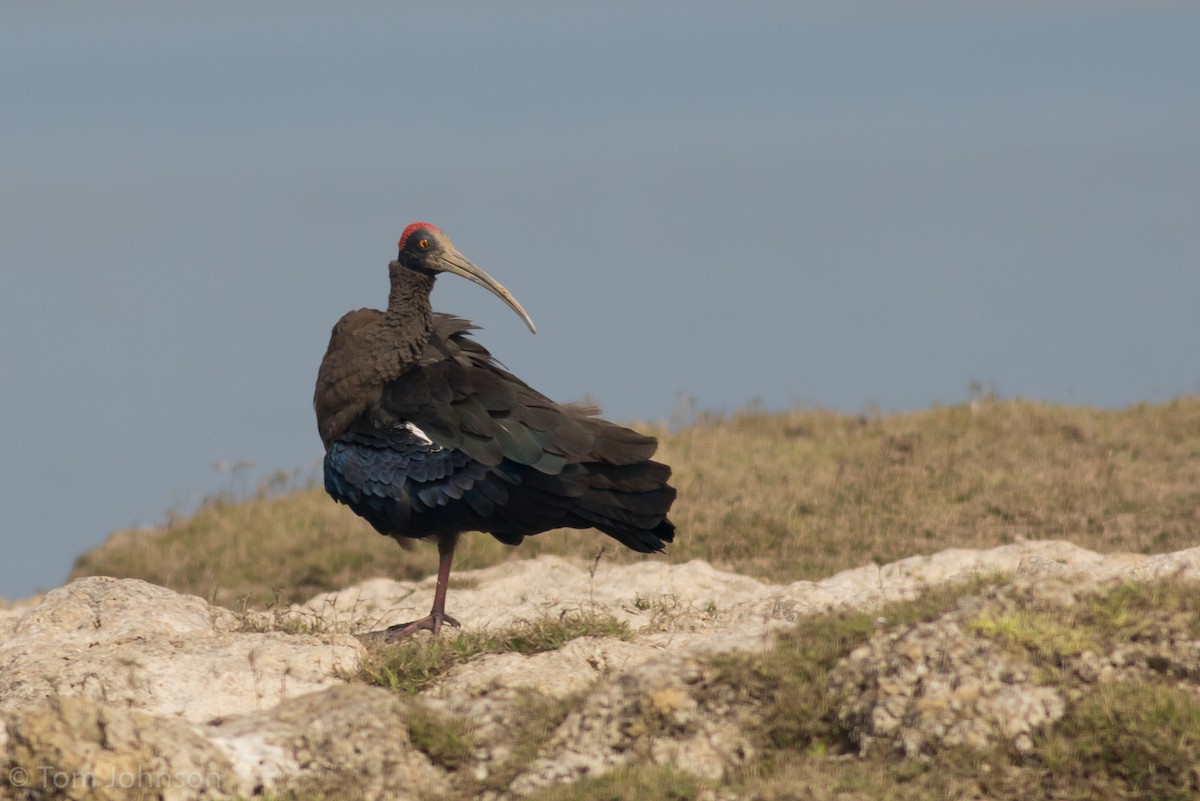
(423, 244)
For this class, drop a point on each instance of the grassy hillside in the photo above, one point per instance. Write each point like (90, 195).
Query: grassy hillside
(780, 496)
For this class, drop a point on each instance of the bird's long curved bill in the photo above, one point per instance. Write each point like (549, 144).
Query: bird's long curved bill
(455, 262)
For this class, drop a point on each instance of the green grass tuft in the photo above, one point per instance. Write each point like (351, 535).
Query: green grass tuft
(630, 784)
(1125, 740)
(407, 668)
(446, 740)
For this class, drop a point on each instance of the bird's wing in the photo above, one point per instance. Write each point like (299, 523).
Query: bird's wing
(463, 400)
(391, 475)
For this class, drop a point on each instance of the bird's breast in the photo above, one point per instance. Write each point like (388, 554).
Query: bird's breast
(365, 354)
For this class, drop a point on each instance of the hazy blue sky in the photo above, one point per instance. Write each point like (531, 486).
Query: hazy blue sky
(838, 204)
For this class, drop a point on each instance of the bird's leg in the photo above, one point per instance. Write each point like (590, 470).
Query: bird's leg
(437, 616)
(446, 545)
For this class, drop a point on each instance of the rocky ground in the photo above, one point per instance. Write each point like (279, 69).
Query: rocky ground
(110, 688)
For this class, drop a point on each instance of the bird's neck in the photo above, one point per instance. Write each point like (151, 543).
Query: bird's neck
(409, 315)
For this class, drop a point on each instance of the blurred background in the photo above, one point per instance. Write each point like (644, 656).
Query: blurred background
(702, 206)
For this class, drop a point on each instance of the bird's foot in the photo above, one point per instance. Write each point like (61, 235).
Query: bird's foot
(431, 623)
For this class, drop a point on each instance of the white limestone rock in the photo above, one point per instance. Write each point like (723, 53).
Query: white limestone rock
(136, 645)
(107, 674)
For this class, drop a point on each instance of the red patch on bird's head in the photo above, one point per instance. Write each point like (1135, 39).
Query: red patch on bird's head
(417, 226)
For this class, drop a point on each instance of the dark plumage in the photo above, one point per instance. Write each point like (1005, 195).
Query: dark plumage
(427, 436)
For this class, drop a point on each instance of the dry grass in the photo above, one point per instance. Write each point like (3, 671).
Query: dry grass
(784, 496)
(805, 494)
(258, 552)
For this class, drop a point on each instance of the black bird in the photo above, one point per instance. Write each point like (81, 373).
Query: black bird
(427, 436)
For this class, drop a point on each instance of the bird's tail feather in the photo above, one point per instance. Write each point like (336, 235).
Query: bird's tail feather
(618, 445)
(629, 502)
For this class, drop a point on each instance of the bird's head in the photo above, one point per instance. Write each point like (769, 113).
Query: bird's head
(425, 249)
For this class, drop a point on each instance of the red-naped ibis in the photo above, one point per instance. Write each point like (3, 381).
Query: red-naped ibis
(426, 436)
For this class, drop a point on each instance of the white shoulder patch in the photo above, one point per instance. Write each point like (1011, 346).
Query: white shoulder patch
(418, 433)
